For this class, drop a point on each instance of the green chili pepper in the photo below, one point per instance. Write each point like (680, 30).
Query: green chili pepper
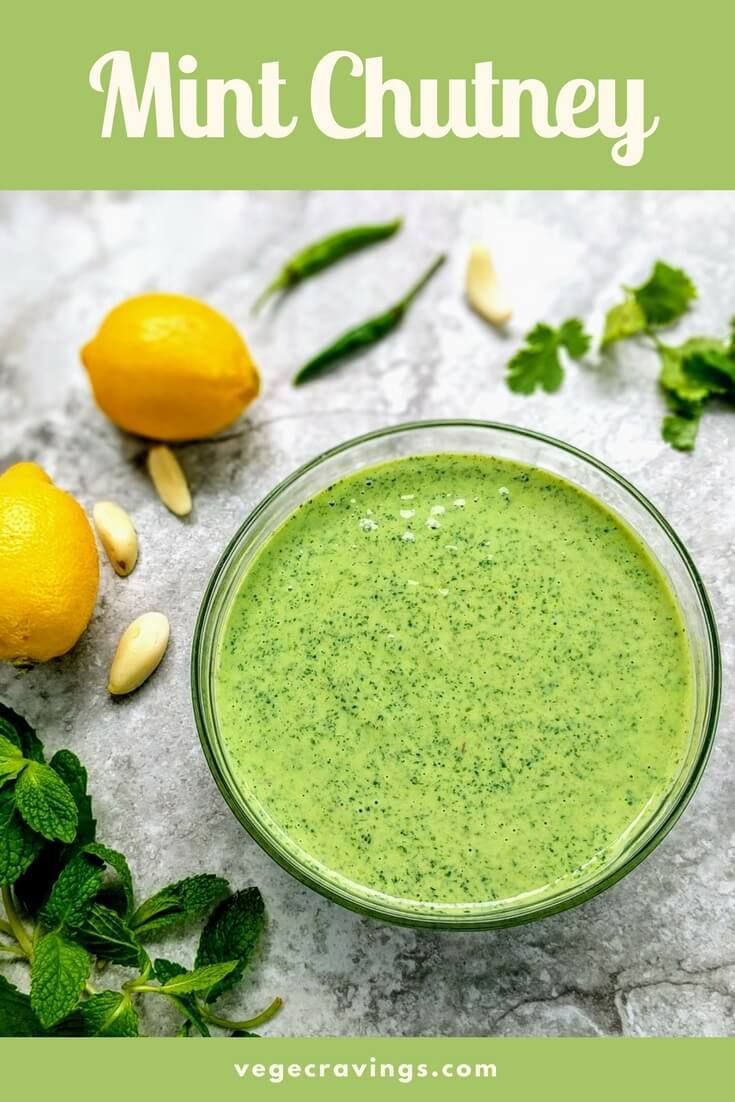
(367, 333)
(314, 258)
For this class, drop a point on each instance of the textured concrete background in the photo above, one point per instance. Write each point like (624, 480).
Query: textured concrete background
(656, 954)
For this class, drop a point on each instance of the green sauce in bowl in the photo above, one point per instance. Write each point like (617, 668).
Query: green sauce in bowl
(453, 683)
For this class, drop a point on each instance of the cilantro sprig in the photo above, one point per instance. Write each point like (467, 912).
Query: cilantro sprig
(691, 375)
(70, 912)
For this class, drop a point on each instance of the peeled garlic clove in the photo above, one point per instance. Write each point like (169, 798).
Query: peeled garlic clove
(139, 652)
(119, 538)
(169, 480)
(483, 290)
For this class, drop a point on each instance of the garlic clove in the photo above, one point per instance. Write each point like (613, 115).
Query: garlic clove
(139, 652)
(118, 536)
(169, 479)
(483, 290)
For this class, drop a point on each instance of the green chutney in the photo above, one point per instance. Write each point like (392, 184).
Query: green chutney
(452, 680)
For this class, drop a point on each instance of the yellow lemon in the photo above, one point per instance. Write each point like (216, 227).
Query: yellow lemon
(170, 368)
(49, 567)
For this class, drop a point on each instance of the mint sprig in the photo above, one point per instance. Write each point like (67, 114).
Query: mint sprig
(234, 929)
(69, 903)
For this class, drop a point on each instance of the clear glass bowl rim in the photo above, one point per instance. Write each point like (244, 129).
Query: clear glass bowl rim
(201, 661)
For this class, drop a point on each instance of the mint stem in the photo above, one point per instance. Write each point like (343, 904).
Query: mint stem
(12, 950)
(250, 1023)
(17, 928)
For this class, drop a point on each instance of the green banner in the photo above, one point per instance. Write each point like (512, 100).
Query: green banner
(333, 95)
(331, 1068)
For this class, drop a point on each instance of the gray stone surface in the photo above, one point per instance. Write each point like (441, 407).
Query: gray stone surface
(656, 954)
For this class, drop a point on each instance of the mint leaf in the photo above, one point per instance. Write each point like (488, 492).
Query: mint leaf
(72, 894)
(538, 364)
(119, 864)
(11, 760)
(109, 1014)
(681, 431)
(19, 845)
(201, 979)
(188, 899)
(15, 728)
(107, 935)
(17, 1018)
(74, 775)
(232, 931)
(58, 974)
(666, 294)
(46, 803)
(165, 970)
(622, 321)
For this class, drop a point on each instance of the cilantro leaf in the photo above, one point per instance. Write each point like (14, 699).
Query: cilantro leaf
(666, 294)
(233, 930)
(200, 979)
(674, 381)
(107, 935)
(58, 974)
(109, 1014)
(538, 364)
(17, 1018)
(622, 321)
(680, 430)
(691, 374)
(46, 803)
(74, 775)
(72, 894)
(19, 731)
(19, 845)
(571, 335)
(662, 299)
(711, 365)
(187, 899)
(11, 760)
(118, 862)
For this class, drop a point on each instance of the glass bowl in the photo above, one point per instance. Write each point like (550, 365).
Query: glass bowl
(478, 438)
